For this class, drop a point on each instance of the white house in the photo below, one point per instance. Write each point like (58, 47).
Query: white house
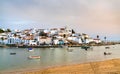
(56, 41)
(76, 39)
(89, 40)
(97, 40)
(32, 42)
(3, 35)
(46, 40)
(92, 40)
(25, 42)
(13, 40)
(53, 31)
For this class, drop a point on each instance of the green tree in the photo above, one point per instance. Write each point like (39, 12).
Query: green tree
(97, 36)
(105, 38)
(2, 39)
(1, 31)
(8, 30)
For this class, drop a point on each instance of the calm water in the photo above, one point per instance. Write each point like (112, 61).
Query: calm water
(52, 57)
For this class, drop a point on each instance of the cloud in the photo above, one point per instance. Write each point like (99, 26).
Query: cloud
(91, 16)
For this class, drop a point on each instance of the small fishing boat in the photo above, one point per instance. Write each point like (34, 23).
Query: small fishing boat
(13, 53)
(85, 47)
(107, 47)
(107, 53)
(30, 49)
(34, 57)
(69, 49)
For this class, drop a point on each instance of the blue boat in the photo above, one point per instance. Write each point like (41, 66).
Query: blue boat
(30, 49)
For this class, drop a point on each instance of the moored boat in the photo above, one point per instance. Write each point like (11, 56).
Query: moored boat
(13, 53)
(107, 53)
(84, 47)
(34, 57)
(30, 49)
(107, 47)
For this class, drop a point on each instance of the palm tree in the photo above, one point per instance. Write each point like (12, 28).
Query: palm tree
(1, 30)
(97, 36)
(105, 38)
(73, 32)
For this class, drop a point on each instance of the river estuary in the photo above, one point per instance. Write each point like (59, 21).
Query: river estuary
(51, 57)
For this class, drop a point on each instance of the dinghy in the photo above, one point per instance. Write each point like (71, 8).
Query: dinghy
(34, 57)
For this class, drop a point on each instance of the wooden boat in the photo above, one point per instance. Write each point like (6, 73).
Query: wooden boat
(107, 47)
(13, 53)
(85, 47)
(69, 49)
(34, 57)
(107, 53)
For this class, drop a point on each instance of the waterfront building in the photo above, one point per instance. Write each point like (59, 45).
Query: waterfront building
(13, 40)
(97, 40)
(32, 42)
(75, 39)
(53, 31)
(46, 36)
(25, 42)
(3, 35)
(44, 40)
(88, 40)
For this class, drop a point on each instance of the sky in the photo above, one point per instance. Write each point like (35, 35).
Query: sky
(94, 17)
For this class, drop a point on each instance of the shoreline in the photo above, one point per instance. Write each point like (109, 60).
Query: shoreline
(111, 66)
(54, 46)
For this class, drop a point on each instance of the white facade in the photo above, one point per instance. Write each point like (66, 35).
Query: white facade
(76, 39)
(79, 41)
(4, 35)
(32, 42)
(89, 40)
(13, 40)
(3, 41)
(26, 42)
(97, 40)
(92, 40)
(52, 32)
(56, 41)
(46, 31)
(46, 40)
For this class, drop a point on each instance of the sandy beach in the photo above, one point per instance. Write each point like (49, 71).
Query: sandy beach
(102, 67)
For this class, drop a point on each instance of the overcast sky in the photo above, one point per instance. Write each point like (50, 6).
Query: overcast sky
(89, 16)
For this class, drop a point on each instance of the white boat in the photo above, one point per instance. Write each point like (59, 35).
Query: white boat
(69, 49)
(107, 53)
(107, 47)
(31, 50)
(34, 57)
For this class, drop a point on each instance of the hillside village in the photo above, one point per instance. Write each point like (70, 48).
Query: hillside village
(53, 36)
